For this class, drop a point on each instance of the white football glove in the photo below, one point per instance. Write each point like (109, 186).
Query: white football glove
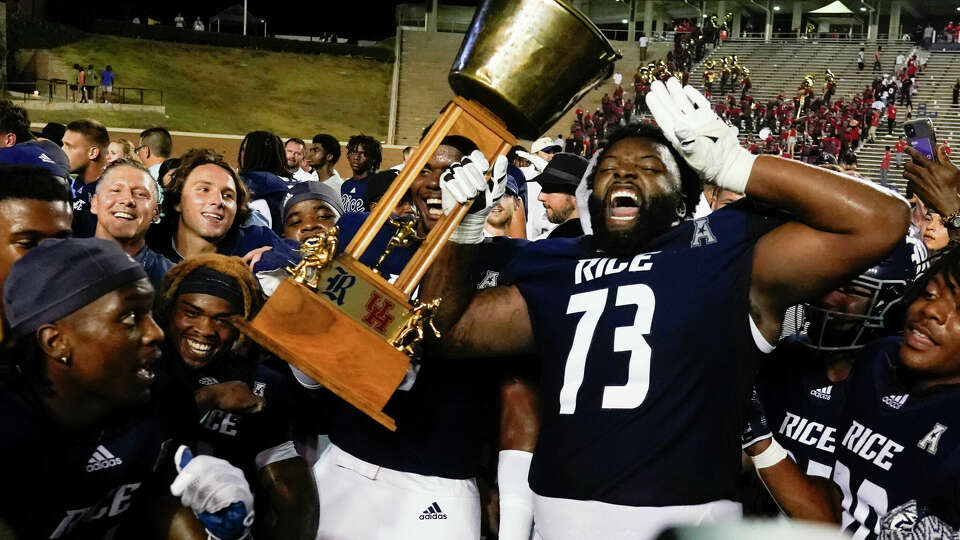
(462, 183)
(538, 162)
(209, 484)
(705, 141)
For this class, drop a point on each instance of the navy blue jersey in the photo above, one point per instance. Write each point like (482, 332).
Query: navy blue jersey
(802, 405)
(272, 189)
(155, 265)
(84, 221)
(87, 486)
(438, 407)
(646, 362)
(353, 192)
(895, 445)
(240, 438)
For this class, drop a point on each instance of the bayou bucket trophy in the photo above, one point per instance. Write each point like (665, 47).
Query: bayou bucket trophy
(522, 64)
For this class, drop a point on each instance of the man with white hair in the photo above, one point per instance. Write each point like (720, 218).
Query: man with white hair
(126, 203)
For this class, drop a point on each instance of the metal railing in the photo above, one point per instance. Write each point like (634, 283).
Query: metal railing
(812, 36)
(61, 90)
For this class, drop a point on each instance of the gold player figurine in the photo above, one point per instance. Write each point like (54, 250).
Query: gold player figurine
(405, 235)
(317, 253)
(412, 331)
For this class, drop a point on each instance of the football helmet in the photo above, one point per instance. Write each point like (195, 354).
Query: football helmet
(828, 329)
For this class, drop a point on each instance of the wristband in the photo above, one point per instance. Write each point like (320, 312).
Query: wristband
(737, 172)
(470, 230)
(771, 456)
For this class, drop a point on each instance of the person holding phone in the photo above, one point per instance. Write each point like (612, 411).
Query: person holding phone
(936, 183)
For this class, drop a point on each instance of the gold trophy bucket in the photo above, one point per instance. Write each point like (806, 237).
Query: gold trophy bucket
(530, 61)
(523, 63)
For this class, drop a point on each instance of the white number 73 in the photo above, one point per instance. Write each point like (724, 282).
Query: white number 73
(625, 338)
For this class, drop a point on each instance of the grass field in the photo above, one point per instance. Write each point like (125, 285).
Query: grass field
(225, 90)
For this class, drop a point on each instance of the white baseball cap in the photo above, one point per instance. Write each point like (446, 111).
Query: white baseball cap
(545, 144)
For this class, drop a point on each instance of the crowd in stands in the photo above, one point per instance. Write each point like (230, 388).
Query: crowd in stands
(690, 46)
(607, 359)
(809, 126)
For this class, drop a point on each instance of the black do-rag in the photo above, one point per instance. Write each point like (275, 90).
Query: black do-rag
(206, 280)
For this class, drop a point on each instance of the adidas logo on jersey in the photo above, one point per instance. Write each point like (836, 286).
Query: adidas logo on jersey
(207, 381)
(102, 459)
(822, 393)
(896, 401)
(433, 512)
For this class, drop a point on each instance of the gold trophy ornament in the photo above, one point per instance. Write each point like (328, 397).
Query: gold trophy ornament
(405, 235)
(316, 253)
(353, 333)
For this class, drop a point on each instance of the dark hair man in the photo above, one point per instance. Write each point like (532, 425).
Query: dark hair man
(155, 146)
(85, 143)
(364, 154)
(294, 149)
(34, 205)
(203, 210)
(100, 436)
(558, 182)
(624, 371)
(245, 407)
(263, 170)
(14, 124)
(126, 204)
(323, 154)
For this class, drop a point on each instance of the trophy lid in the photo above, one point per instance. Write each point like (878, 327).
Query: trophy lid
(530, 61)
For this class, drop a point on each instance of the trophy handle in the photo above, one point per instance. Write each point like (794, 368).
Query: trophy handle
(459, 117)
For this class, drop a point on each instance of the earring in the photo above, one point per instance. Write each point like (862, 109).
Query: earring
(65, 360)
(682, 210)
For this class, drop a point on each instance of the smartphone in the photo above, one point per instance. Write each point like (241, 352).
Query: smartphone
(921, 136)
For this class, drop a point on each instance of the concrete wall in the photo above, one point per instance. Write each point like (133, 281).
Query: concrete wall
(425, 60)
(30, 64)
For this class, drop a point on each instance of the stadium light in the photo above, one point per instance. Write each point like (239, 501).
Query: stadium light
(862, 8)
(624, 21)
(776, 8)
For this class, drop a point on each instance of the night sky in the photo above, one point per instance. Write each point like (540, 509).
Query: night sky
(358, 19)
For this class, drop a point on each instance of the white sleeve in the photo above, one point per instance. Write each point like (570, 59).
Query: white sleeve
(261, 207)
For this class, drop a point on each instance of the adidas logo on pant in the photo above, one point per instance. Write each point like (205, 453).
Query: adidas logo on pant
(433, 512)
(102, 459)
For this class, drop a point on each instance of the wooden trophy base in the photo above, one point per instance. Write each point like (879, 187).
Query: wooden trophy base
(312, 333)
